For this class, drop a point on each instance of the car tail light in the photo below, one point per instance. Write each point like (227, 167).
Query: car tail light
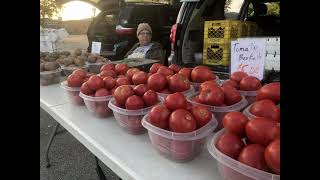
(173, 36)
(120, 30)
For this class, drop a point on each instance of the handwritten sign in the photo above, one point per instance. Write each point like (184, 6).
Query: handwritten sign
(248, 55)
(96, 47)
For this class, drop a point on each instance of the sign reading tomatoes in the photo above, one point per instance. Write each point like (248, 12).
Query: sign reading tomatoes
(247, 55)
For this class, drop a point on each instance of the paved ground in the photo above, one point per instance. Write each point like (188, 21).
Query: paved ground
(70, 160)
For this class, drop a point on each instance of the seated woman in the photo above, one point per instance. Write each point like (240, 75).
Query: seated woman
(146, 48)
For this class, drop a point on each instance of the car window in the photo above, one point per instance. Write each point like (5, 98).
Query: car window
(273, 9)
(232, 8)
(143, 14)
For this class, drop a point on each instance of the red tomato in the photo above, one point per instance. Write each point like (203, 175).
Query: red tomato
(196, 99)
(154, 68)
(270, 91)
(150, 98)
(262, 130)
(159, 116)
(121, 94)
(231, 82)
(202, 115)
(175, 67)
(106, 73)
(213, 96)
(230, 145)
(207, 85)
(102, 92)
(165, 71)
(95, 82)
(130, 72)
(235, 123)
(74, 80)
(265, 108)
(107, 67)
(186, 72)
(134, 102)
(231, 95)
(121, 68)
(178, 83)
(109, 82)
(139, 78)
(122, 81)
(112, 90)
(182, 121)
(253, 155)
(85, 89)
(201, 74)
(165, 91)
(272, 156)
(250, 83)
(237, 76)
(175, 101)
(122, 76)
(157, 82)
(80, 72)
(140, 89)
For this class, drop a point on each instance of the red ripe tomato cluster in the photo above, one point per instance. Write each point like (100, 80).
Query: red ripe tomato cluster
(254, 142)
(242, 81)
(135, 98)
(210, 93)
(178, 116)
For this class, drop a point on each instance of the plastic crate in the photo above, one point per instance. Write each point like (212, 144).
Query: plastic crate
(222, 31)
(216, 54)
(251, 28)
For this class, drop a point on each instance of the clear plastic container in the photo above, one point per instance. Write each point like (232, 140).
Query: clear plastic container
(247, 113)
(231, 169)
(129, 120)
(67, 70)
(97, 105)
(72, 94)
(250, 96)
(50, 77)
(95, 67)
(179, 147)
(220, 111)
(186, 93)
(197, 85)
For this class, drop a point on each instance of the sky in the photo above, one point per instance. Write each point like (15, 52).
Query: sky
(76, 10)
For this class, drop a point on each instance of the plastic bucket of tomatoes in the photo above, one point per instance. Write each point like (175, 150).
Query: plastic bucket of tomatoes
(220, 111)
(230, 168)
(197, 85)
(247, 113)
(72, 94)
(250, 96)
(129, 120)
(180, 147)
(97, 105)
(67, 70)
(50, 77)
(186, 93)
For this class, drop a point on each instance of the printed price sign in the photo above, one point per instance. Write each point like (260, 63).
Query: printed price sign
(96, 47)
(248, 55)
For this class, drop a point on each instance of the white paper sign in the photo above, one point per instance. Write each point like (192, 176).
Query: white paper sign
(248, 55)
(96, 47)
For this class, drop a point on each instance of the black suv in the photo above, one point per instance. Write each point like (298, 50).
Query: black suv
(115, 26)
(188, 32)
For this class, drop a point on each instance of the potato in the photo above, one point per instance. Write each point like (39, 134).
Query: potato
(86, 54)
(77, 52)
(50, 66)
(79, 62)
(55, 55)
(68, 61)
(72, 65)
(51, 59)
(92, 58)
(60, 61)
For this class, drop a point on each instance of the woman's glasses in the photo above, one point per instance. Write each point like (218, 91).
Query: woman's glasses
(145, 33)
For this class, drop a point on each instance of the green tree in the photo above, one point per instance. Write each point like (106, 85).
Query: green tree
(273, 8)
(227, 5)
(48, 8)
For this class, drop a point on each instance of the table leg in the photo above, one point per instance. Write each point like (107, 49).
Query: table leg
(50, 142)
(99, 170)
